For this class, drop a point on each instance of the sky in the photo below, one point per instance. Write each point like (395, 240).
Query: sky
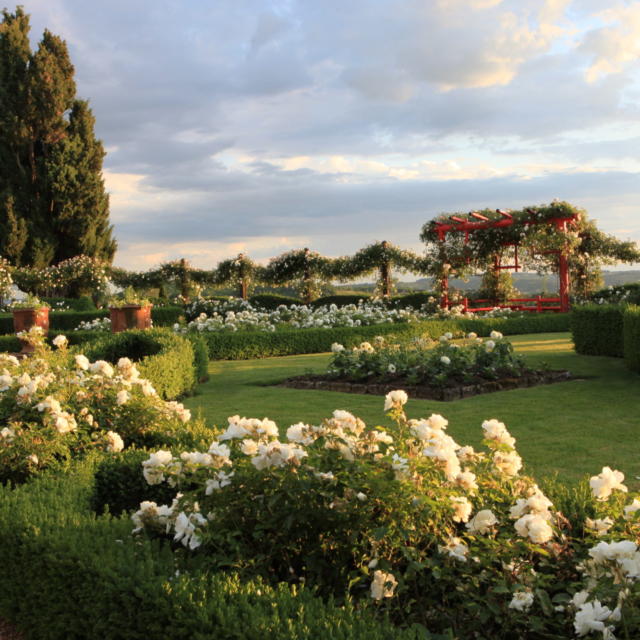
(263, 126)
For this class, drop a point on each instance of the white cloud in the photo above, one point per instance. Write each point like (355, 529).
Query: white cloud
(616, 46)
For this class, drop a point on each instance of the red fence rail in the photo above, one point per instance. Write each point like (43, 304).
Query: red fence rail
(537, 304)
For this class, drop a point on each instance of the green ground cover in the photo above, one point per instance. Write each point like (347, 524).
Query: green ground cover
(572, 428)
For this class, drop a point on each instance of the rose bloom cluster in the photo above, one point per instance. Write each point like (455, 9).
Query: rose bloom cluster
(418, 499)
(54, 405)
(97, 324)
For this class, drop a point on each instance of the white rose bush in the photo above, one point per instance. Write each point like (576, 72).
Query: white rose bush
(436, 363)
(240, 315)
(57, 405)
(407, 522)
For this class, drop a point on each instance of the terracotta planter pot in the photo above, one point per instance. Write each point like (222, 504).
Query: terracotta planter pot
(24, 319)
(130, 317)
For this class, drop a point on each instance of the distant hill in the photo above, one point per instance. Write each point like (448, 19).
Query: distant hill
(528, 283)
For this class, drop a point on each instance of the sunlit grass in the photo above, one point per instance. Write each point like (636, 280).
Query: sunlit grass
(573, 428)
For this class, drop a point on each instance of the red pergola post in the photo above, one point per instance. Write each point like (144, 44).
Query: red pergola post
(563, 270)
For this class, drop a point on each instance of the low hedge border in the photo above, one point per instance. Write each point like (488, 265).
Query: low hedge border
(597, 330)
(166, 359)
(631, 338)
(69, 575)
(245, 345)
(69, 320)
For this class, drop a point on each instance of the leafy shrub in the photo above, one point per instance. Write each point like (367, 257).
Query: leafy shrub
(597, 330)
(84, 303)
(164, 358)
(272, 300)
(631, 337)
(450, 538)
(84, 577)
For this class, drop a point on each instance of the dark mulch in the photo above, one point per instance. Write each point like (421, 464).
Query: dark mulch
(8, 631)
(452, 392)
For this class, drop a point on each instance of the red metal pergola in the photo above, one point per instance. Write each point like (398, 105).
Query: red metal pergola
(477, 222)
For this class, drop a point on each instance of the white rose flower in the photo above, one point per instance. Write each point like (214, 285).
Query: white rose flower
(249, 447)
(482, 522)
(599, 526)
(462, 509)
(535, 527)
(496, 430)
(591, 617)
(455, 548)
(60, 341)
(631, 509)
(445, 360)
(383, 585)
(395, 399)
(101, 367)
(521, 601)
(508, 463)
(114, 442)
(467, 480)
(606, 482)
(82, 362)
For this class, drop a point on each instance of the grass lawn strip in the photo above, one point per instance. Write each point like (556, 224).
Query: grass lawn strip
(573, 429)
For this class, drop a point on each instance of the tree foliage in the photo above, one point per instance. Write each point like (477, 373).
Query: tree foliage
(53, 205)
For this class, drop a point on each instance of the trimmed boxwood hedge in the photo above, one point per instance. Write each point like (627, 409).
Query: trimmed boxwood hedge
(340, 301)
(120, 486)
(163, 357)
(597, 330)
(272, 300)
(69, 575)
(244, 345)
(415, 300)
(631, 338)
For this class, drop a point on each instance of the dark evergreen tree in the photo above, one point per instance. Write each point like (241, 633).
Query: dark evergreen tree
(50, 161)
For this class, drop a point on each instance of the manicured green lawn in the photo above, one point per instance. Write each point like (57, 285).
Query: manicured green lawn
(573, 428)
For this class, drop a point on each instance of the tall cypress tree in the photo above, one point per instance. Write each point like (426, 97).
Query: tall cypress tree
(50, 161)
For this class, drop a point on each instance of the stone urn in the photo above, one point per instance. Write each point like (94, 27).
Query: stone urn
(24, 319)
(130, 316)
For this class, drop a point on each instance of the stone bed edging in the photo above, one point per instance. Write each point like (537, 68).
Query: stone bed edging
(445, 394)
